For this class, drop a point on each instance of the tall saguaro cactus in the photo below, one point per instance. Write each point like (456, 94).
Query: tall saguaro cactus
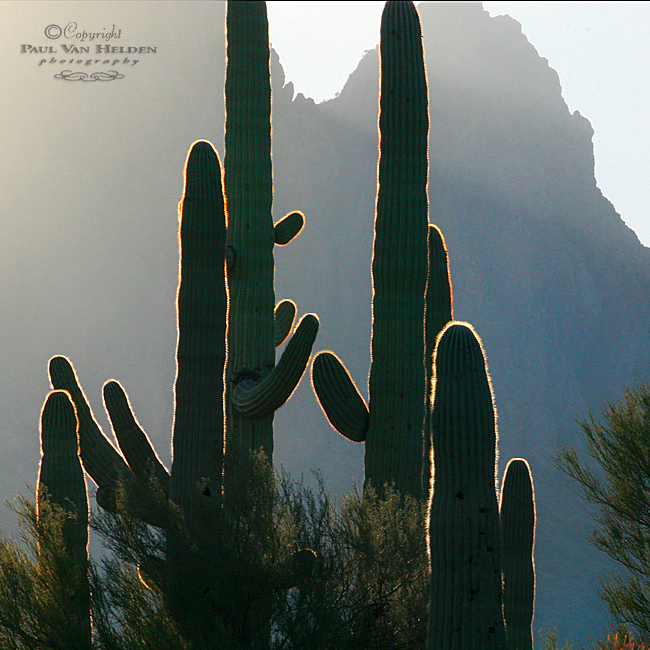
(464, 532)
(517, 510)
(198, 433)
(61, 492)
(249, 188)
(399, 266)
(195, 483)
(256, 387)
(392, 424)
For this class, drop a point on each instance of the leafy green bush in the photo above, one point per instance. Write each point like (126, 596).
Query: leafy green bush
(619, 485)
(36, 590)
(365, 587)
(369, 586)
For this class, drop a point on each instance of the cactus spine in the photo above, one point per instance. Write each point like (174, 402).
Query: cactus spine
(518, 535)
(464, 531)
(61, 491)
(392, 425)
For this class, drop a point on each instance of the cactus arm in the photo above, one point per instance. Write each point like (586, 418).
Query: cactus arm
(133, 441)
(60, 478)
(284, 314)
(464, 529)
(338, 396)
(137, 499)
(100, 459)
(439, 297)
(439, 310)
(61, 484)
(518, 534)
(107, 497)
(295, 570)
(288, 228)
(257, 400)
(151, 571)
(395, 441)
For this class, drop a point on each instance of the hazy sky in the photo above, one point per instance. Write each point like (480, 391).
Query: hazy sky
(600, 50)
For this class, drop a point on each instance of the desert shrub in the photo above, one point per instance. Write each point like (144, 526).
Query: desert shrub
(618, 484)
(369, 586)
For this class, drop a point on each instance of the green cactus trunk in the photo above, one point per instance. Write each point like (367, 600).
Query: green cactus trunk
(518, 534)
(395, 442)
(255, 387)
(61, 492)
(251, 237)
(198, 433)
(198, 439)
(392, 424)
(464, 532)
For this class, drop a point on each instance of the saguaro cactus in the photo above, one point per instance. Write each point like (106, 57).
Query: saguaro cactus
(256, 387)
(61, 492)
(392, 425)
(517, 511)
(464, 531)
(198, 434)
(195, 484)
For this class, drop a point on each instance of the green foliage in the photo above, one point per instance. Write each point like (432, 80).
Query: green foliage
(38, 582)
(620, 639)
(254, 555)
(369, 586)
(619, 485)
(365, 587)
(129, 616)
(385, 539)
(549, 641)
